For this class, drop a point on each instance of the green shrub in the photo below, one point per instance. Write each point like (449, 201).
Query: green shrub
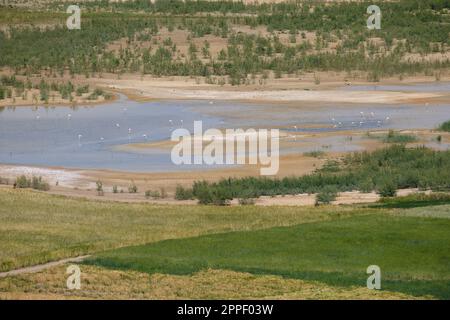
(82, 89)
(387, 189)
(183, 193)
(330, 166)
(38, 184)
(152, 194)
(115, 189)
(22, 182)
(202, 192)
(35, 183)
(327, 195)
(218, 196)
(366, 186)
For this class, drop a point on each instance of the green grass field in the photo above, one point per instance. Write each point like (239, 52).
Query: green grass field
(299, 252)
(36, 227)
(413, 253)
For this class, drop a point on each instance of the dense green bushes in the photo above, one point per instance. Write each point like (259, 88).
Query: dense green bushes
(219, 195)
(409, 26)
(384, 171)
(10, 86)
(387, 188)
(326, 195)
(183, 193)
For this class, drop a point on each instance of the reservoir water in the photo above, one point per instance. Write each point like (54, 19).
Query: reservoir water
(87, 137)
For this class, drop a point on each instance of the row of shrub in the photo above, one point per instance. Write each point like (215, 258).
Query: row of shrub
(383, 171)
(132, 188)
(11, 87)
(36, 183)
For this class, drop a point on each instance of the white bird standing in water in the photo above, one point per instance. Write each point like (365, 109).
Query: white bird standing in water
(79, 137)
(181, 122)
(171, 122)
(129, 130)
(144, 136)
(69, 116)
(117, 125)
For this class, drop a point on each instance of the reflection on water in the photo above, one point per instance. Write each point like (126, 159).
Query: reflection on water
(87, 137)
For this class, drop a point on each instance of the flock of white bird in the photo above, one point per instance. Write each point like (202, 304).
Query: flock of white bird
(336, 124)
(117, 125)
(365, 118)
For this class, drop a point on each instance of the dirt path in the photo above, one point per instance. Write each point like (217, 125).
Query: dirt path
(40, 267)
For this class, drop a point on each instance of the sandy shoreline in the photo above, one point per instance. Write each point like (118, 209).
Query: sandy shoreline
(276, 92)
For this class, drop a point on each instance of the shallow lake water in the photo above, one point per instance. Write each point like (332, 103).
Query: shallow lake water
(87, 137)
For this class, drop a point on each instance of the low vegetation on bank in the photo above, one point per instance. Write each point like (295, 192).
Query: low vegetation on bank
(36, 183)
(383, 171)
(42, 91)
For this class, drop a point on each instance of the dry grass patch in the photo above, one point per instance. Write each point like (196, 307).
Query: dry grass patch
(98, 283)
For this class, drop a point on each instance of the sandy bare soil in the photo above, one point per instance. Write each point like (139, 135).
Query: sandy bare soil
(278, 90)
